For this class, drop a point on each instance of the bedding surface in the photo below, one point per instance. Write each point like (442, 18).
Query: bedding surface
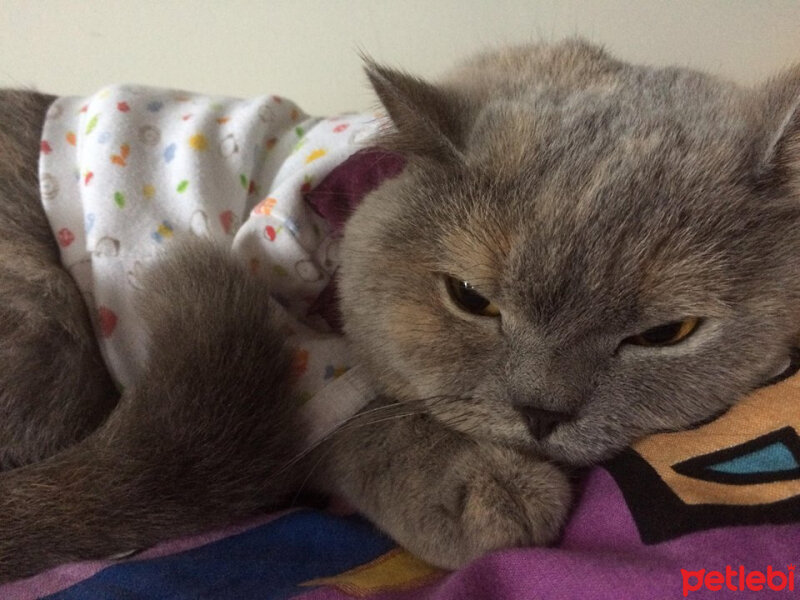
(709, 513)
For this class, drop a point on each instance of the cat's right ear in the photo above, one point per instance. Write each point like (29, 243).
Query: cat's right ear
(427, 120)
(780, 160)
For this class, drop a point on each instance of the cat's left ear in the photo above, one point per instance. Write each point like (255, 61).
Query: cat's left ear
(428, 120)
(780, 158)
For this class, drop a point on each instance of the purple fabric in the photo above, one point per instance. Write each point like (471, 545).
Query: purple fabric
(600, 556)
(343, 189)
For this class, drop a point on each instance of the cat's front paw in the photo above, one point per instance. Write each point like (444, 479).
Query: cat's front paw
(493, 498)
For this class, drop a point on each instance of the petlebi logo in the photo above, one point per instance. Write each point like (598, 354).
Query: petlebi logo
(738, 580)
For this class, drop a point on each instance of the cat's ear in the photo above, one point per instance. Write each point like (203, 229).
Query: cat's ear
(780, 158)
(427, 120)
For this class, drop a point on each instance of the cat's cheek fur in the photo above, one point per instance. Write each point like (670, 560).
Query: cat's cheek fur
(426, 351)
(480, 417)
(615, 417)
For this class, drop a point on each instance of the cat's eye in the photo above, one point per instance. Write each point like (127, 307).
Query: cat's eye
(465, 296)
(667, 334)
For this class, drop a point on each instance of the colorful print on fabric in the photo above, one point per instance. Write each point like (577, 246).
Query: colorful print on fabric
(741, 468)
(164, 231)
(155, 165)
(269, 560)
(121, 159)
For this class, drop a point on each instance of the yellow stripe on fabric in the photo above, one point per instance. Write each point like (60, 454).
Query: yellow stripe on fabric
(395, 570)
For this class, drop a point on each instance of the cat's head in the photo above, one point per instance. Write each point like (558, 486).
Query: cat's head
(630, 237)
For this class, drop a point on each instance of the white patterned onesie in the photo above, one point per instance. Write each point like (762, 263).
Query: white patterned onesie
(125, 170)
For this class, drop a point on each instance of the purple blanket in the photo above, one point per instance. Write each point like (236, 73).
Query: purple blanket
(709, 513)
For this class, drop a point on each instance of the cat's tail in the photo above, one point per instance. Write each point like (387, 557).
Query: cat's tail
(207, 436)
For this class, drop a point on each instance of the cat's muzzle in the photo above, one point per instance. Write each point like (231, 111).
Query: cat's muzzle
(541, 423)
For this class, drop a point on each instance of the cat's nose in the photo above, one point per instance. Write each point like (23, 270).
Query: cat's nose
(541, 422)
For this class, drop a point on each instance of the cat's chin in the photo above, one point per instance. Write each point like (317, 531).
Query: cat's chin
(575, 456)
(577, 445)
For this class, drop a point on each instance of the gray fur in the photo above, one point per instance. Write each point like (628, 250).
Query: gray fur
(589, 209)
(206, 436)
(54, 388)
(588, 198)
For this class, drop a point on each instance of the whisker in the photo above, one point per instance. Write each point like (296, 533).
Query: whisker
(334, 440)
(358, 421)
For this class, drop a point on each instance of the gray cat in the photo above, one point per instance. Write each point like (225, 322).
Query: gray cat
(579, 252)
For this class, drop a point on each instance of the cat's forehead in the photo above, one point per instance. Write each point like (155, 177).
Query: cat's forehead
(605, 217)
(640, 117)
(635, 188)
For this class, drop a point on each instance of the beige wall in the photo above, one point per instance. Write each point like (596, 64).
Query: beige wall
(308, 50)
